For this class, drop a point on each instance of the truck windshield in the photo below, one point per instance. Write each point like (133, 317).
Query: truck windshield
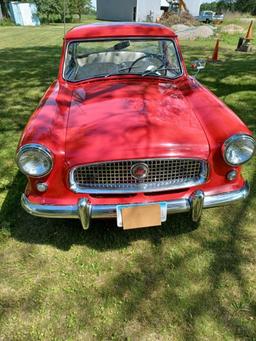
(89, 59)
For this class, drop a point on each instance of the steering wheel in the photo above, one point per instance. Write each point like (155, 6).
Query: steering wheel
(149, 56)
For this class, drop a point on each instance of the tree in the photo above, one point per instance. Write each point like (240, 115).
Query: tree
(224, 6)
(3, 5)
(79, 7)
(246, 6)
(209, 6)
(53, 10)
(231, 5)
(49, 8)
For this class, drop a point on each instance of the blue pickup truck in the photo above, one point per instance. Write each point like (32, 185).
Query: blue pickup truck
(210, 17)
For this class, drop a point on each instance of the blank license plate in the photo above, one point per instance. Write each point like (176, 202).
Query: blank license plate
(139, 216)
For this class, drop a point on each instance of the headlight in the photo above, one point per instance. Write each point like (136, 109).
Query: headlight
(34, 160)
(238, 149)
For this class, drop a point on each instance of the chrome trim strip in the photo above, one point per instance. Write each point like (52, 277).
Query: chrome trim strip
(138, 188)
(109, 211)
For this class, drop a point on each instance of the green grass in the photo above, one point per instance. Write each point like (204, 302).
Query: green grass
(58, 282)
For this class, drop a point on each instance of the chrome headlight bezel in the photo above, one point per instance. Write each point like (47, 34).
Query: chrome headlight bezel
(36, 148)
(232, 140)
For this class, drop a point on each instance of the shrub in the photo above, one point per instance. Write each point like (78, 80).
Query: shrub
(6, 22)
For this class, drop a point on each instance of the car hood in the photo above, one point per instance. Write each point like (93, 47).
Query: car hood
(132, 119)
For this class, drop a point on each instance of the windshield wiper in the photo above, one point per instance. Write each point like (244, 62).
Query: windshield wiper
(115, 73)
(120, 70)
(105, 75)
(145, 73)
(165, 68)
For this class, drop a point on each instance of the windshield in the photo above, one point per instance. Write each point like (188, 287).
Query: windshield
(89, 59)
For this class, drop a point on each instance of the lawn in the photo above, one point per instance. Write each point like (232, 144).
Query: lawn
(58, 282)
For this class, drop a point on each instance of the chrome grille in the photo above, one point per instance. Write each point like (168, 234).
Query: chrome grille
(116, 176)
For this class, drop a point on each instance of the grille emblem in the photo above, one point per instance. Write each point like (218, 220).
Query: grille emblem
(139, 171)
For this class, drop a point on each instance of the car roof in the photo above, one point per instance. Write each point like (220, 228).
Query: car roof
(119, 29)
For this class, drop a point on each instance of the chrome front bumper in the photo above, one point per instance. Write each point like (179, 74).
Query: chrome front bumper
(85, 211)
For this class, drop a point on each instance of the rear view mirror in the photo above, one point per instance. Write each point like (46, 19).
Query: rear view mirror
(122, 45)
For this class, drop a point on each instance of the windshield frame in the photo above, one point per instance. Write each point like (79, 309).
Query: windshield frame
(177, 52)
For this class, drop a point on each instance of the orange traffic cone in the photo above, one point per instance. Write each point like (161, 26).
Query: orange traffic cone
(215, 55)
(249, 32)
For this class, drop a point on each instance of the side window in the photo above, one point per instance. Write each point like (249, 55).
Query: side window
(70, 62)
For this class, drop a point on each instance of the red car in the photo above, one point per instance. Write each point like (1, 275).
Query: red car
(125, 132)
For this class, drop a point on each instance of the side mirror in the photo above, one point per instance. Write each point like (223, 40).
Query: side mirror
(198, 65)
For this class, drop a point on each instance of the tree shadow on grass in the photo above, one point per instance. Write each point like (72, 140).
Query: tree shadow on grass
(229, 259)
(25, 74)
(159, 291)
(236, 77)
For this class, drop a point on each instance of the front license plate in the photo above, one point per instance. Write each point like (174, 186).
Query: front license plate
(141, 215)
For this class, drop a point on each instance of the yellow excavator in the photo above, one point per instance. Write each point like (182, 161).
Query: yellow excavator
(170, 7)
(177, 6)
